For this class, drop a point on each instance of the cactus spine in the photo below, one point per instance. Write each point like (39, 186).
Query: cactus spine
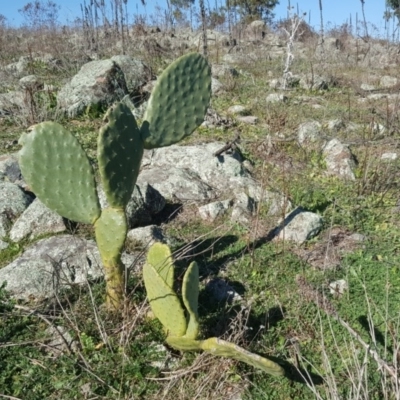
(182, 333)
(58, 171)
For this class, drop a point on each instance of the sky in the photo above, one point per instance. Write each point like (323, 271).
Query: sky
(335, 12)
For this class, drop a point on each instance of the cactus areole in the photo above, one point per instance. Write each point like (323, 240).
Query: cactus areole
(181, 323)
(58, 170)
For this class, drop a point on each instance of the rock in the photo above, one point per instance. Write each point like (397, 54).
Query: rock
(221, 291)
(36, 220)
(315, 82)
(9, 166)
(145, 236)
(248, 119)
(60, 341)
(337, 288)
(222, 70)
(145, 202)
(256, 30)
(216, 87)
(388, 81)
(19, 68)
(276, 98)
(367, 87)
(3, 245)
(136, 72)
(50, 265)
(98, 84)
(31, 83)
(277, 203)
(335, 125)
(309, 132)
(238, 110)
(211, 211)
(389, 156)
(243, 209)
(13, 200)
(5, 224)
(339, 159)
(13, 103)
(300, 226)
(176, 183)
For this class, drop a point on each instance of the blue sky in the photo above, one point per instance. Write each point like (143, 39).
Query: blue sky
(334, 11)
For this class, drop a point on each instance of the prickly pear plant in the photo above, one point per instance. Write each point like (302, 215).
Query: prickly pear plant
(183, 327)
(58, 171)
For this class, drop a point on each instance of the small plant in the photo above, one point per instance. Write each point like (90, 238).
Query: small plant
(183, 330)
(58, 170)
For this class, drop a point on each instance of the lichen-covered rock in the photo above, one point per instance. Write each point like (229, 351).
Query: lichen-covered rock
(50, 265)
(36, 220)
(97, 85)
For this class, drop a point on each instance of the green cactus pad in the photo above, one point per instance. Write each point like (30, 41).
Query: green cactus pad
(160, 258)
(178, 102)
(58, 171)
(222, 348)
(164, 302)
(190, 296)
(110, 230)
(119, 151)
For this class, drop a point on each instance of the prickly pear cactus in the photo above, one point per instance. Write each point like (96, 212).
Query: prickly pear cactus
(58, 171)
(182, 334)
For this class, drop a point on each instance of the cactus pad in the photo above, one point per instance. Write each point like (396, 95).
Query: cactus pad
(110, 231)
(164, 302)
(160, 258)
(190, 295)
(58, 171)
(119, 151)
(178, 102)
(222, 348)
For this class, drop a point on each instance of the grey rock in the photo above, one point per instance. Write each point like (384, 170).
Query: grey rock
(367, 87)
(248, 119)
(256, 30)
(315, 82)
(339, 159)
(31, 83)
(335, 125)
(211, 211)
(5, 224)
(276, 98)
(97, 84)
(238, 110)
(216, 87)
(309, 132)
(50, 265)
(9, 166)
(36, 220)
(277, 203)
(223, 70)
(60, 341)
(145, 202)
(145, 236)
(3, 245)
(136, 72)
(12, 103)
(19, 68)
(300, 226)
(221, 291)
(337, 288)
(389, 156)
(243, 209)
(388, 81)
(176, 183)
(13, 200)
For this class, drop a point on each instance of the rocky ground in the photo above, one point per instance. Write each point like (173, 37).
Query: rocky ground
(275, 183)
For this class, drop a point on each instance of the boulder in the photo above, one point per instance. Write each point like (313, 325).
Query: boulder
(97, 85)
